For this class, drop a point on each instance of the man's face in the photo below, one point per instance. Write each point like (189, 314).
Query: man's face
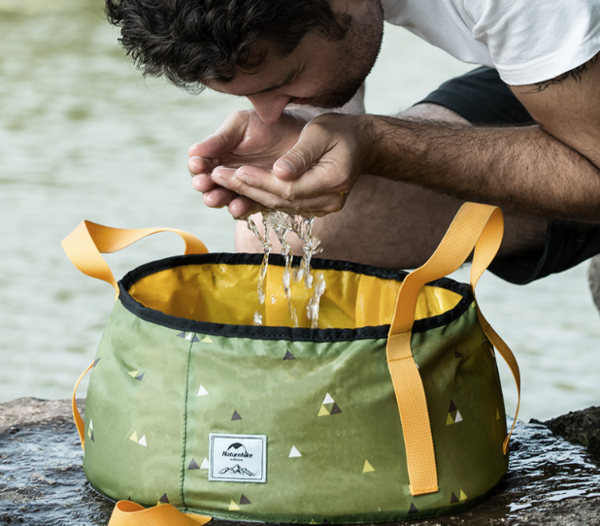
(318, 72)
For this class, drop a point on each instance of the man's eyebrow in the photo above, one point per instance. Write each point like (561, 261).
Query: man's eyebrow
(285, 81)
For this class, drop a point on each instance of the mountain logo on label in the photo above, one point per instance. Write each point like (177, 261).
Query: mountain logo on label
(237, 470)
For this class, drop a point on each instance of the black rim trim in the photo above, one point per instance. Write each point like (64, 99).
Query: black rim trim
(281, 333)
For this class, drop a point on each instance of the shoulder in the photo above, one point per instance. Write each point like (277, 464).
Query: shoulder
(535, 40)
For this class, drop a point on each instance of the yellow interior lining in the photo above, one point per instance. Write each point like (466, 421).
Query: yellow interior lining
(222, 293)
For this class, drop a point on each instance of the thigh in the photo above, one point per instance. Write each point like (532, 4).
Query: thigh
(383, 223)
(393, 225)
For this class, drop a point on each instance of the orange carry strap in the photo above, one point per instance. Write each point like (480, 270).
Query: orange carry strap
(128, 513)
(84, 245)
(79, 424)
(474, 226)
(477, 269)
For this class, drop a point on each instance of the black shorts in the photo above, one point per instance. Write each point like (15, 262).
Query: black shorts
(483, 99)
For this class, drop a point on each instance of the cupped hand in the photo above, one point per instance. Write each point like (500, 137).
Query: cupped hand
(243, 139)
(315, 176)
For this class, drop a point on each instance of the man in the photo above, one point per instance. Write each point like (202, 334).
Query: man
(397, 180)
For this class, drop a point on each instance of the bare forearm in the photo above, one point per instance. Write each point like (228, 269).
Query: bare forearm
(521, 169)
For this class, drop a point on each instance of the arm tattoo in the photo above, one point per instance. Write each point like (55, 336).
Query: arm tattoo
(575, 74)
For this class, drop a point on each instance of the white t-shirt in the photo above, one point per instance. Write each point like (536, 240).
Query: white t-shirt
(527, 41)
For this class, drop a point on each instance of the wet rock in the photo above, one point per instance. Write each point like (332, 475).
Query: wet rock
(580, 427)
(550, 481)
(26, 412)
(41, 480)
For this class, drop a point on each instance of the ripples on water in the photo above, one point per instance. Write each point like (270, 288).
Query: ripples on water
(83, 136)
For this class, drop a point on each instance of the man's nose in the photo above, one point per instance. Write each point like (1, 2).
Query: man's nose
(268, 106)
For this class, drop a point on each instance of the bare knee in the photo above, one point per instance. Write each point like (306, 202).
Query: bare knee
(246, 240)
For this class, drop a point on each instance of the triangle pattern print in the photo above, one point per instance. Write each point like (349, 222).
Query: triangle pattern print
(140, 441)
(367, 468)
(189, 336)
(294, 453)
(323, 411)
(454, 416)
(204, 464)
(335, 410)
(202, 391)
(244, 500)
(236, 416)
(329, 407)
(193, 465)
(233, 506)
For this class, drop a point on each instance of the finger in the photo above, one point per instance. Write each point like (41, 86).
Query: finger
(321, 179)
(322, 204)
(218, 198)
(242, 207)
(224, 139)
(198, 165)
(222, 176)
(214, 196)
(311, 146)
(203, 183)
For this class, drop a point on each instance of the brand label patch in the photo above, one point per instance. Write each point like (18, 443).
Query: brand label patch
(237, 458)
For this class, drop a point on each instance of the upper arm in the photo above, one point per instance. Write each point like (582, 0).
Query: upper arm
(568, 107)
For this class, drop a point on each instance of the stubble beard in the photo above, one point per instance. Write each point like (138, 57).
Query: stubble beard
(362, 44)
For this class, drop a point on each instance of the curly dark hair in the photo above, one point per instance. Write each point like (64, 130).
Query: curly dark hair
(191, 41)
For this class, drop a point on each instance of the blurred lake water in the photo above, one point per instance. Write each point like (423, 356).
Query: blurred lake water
(82, 135)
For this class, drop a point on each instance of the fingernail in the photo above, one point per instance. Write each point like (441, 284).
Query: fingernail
(196, 182)
(195, 162)
(284, 165)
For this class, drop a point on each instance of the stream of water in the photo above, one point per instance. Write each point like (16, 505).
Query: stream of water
(284, 225)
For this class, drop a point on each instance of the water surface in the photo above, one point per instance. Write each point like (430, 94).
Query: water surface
(83, 136)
